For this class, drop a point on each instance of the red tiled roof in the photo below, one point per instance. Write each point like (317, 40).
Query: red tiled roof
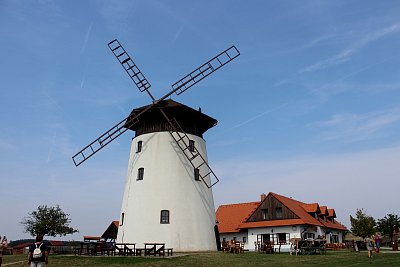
(272, 223)
(295, 206)
(111, 231)
(56, 243)
(230, 216)
(23, 245)
(88, 237)
(333, 225)
(313, 207)
(324, 210)
(233, 217)
(332, 213)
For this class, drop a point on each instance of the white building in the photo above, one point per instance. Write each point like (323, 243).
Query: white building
(168, 197)
(277, 219)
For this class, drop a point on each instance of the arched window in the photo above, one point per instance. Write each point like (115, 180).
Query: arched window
(140, 174)
(164, 218)
(139, 146)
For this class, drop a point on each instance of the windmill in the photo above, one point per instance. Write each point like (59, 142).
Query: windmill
(168, 196)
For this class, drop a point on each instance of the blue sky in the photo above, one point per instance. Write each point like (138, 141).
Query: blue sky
(309, 110)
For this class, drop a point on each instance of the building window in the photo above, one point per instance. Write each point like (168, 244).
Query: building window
(191, 145)
(140, 174)
(311, 235)
(244, 239)
(278, 213)
(139, 146)
(282, 238)
(264, 214)
(122, 219)
(196, 174)
(164, 219)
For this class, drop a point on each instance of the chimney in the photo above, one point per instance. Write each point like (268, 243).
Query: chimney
(263, 196)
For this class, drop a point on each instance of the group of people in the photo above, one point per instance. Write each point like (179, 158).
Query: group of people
(38, 252)
(373, 243)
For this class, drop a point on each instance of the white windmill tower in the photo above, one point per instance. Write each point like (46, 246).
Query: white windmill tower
(168, 196)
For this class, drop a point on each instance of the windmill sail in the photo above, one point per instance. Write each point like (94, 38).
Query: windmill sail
(206, 69)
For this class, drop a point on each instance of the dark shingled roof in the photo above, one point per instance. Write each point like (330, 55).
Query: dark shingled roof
(192, 121)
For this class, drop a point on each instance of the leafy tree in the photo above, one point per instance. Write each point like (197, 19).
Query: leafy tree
(362, 225)
(387, 224)
(51, 221)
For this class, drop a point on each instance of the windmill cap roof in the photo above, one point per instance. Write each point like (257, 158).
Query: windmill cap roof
(152, 120)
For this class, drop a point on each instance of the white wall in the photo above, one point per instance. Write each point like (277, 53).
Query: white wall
(252, 235)
(168, 184)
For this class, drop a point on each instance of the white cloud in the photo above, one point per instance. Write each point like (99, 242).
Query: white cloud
(344, 182)
(346, 54)
(355, 127)
(85, 41)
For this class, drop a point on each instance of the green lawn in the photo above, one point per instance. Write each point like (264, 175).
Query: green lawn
(339, 258)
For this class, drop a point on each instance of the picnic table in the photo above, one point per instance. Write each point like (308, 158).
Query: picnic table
(154, 249)
(308, 247)
(125, 249)
(86, 248)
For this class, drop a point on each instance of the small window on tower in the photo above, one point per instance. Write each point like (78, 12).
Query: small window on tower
(191, 145)
(140, 174)
(164, 219)
(122, 219)
(139, 146)
(196, 174)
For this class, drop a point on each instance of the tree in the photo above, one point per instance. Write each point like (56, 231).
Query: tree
(387, 224)
(362, 225)
(50, 221)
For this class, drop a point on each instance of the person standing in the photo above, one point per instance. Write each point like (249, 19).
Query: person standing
(370, 246)
(377, 239)
(3, 245)
(38, 254)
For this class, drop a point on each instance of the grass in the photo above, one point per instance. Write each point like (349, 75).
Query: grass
(332, 258)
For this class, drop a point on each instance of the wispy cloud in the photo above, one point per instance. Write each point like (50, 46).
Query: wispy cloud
(346, 54)
(86, 39)
(83, 81)
(177, 34)
(307, 178)
(317, 41)
(258, 116)
(357, 127)
(51, 147)
(6, 145)
(337, 85)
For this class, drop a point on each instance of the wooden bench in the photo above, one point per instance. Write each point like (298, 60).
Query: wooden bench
(169, 251)
(139, 251)
(77, 251)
